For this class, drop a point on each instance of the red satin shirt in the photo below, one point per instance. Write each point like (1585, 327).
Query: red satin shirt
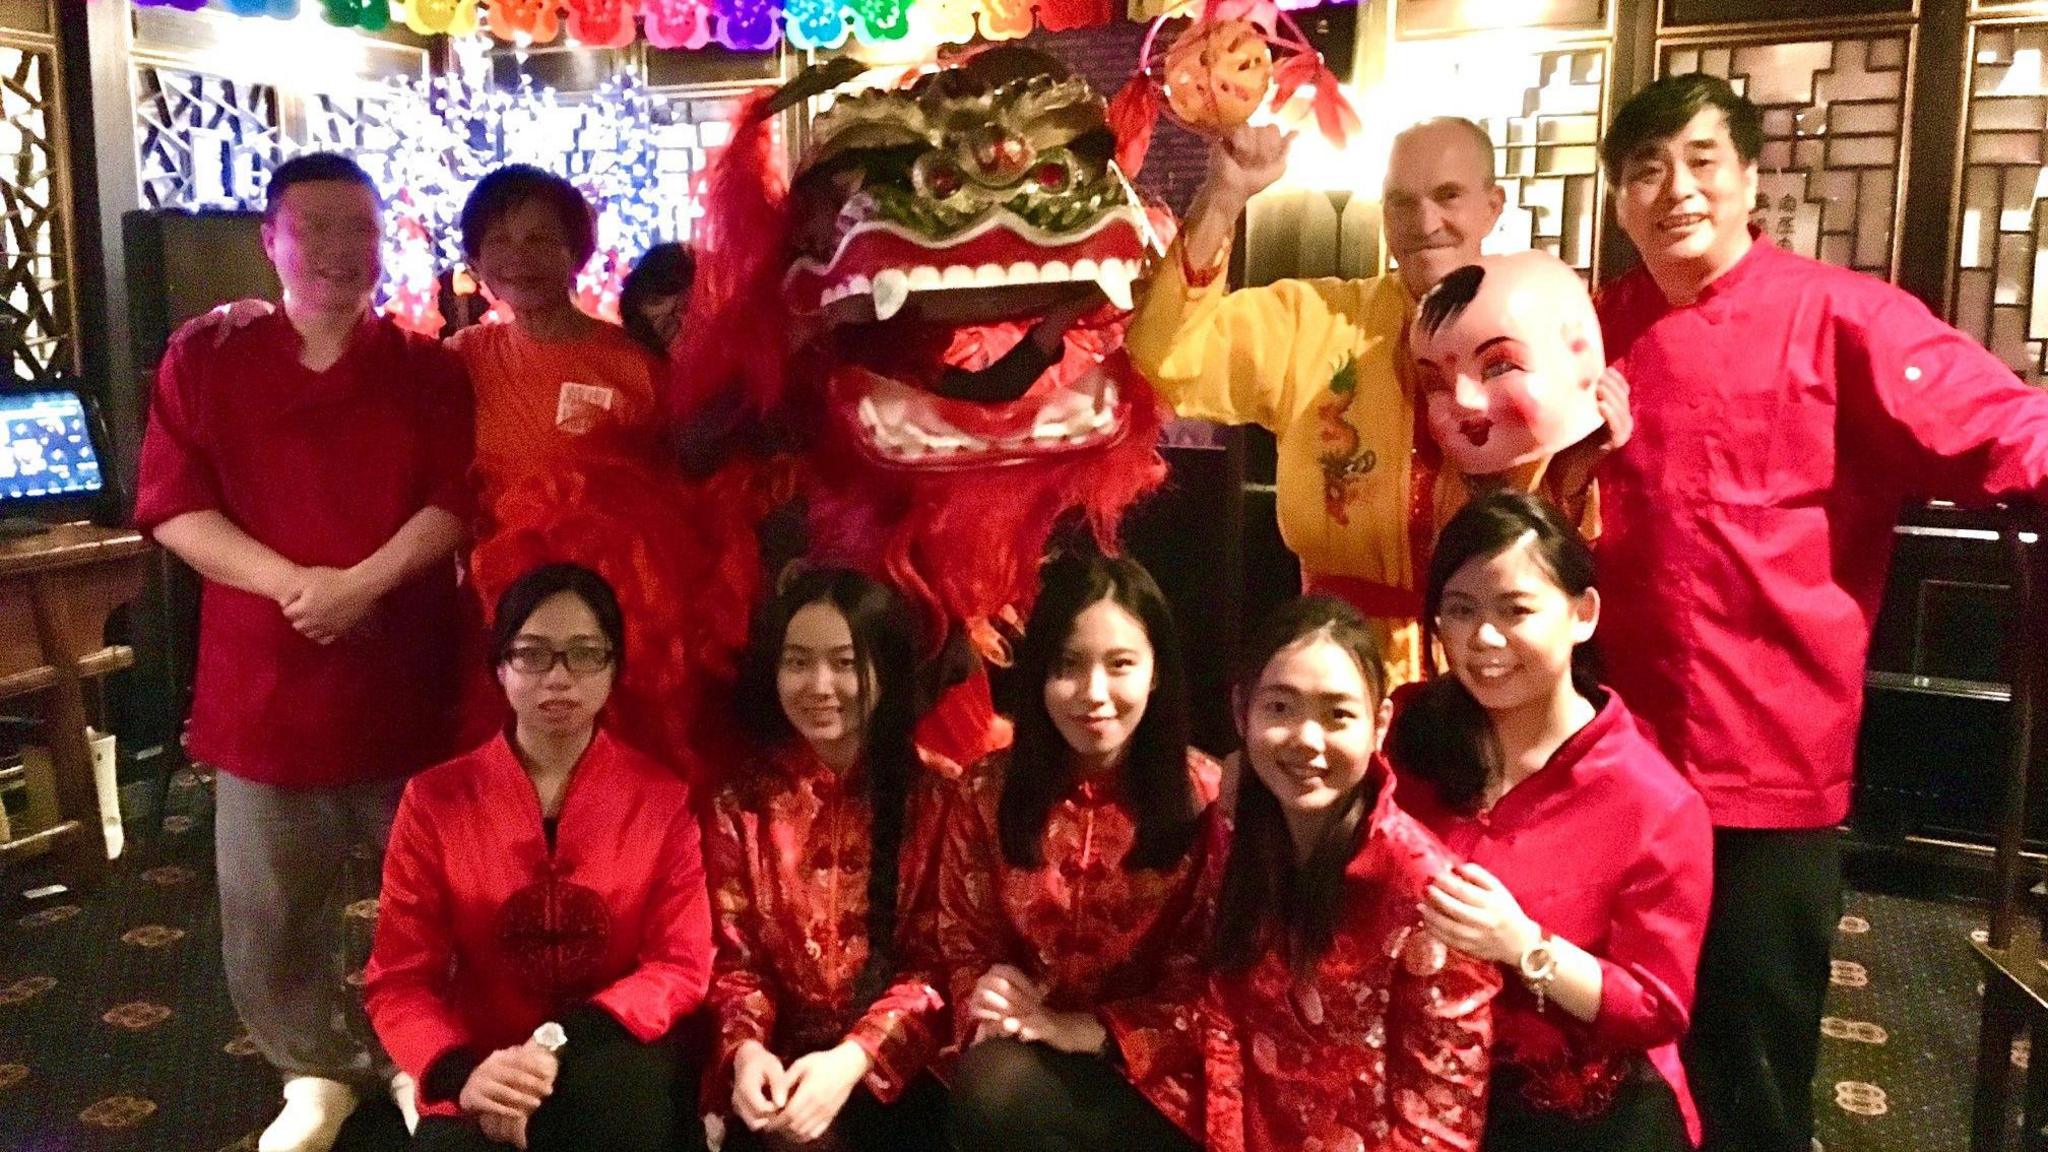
(322, 468)
(1101, 938)
(483, 932)
(1781, 421)
(788, 851)
(1608, 847)
(1383, 1049)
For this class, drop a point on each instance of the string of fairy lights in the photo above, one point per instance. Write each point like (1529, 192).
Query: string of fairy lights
(741, 25)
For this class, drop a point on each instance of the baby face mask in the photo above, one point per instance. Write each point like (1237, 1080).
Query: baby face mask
(1507, 355)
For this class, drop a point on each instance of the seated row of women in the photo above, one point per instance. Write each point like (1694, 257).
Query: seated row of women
(1482, 936)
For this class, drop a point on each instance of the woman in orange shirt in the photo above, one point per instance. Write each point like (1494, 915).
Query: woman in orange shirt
(555, 375)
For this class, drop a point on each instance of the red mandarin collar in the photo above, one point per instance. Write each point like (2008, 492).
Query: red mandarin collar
(1099, 788)
(801, 763)
(1568, 765)
(1745, 269)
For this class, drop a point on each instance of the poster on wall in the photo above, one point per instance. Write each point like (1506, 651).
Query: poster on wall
(1785, 215)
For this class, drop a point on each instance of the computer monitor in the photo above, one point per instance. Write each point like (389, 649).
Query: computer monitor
(49, 459)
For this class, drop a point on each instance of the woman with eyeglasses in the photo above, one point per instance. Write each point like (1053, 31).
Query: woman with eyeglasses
(544, 924)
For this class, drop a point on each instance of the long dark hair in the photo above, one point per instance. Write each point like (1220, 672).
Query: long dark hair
(885, 650)
(1443, 734)
(1262, 883)
(1155, 768)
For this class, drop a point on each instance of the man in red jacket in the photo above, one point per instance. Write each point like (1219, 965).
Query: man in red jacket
(1784, 410)
(311, 467)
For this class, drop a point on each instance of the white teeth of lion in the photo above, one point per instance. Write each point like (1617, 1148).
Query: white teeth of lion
(1022, 273)
(891, 289)
(1084, 269)
(989, 276)
(1054, 272)
(1114, 278)
(857, 286)
(922, 277)
(957, 276)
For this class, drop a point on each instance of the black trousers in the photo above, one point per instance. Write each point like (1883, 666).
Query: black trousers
(1645, 1118)
(916, 1122)
(1755, 1041)
(612, 1093)
(1009, 1096)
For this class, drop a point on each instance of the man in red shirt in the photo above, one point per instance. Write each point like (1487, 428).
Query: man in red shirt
(1784, 410)
(311, 467)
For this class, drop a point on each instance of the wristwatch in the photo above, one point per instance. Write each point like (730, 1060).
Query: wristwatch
(550, 1036)
(1538, 967)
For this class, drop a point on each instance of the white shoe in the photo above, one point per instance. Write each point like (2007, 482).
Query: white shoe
(406, 1094)
(314, 1109)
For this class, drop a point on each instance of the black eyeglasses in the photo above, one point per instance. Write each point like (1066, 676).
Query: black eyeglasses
(539, 659)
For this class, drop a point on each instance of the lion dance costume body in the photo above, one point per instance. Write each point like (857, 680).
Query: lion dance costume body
(873, 314)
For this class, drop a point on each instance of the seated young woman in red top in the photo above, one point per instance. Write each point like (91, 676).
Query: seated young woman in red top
(544, 925)
(1589, 859)
(820, 851)
(1331, 1019)
(1077, 871)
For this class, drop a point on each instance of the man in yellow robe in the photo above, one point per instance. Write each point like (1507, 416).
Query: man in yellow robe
(1323, 365)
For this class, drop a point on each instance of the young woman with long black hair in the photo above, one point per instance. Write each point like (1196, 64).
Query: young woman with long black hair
(1077, 872)
(1588, 857)
(1331, 1018)
(820, 852)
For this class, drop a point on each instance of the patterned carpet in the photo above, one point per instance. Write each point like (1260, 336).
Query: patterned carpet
(116, 1032)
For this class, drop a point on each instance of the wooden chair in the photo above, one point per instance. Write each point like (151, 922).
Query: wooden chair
(56, 590)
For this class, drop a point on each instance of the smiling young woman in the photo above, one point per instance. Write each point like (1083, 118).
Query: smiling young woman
(1587, 866)
(1077, 873)
(821, 851)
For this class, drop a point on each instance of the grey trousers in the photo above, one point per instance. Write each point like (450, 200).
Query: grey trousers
(282, 855)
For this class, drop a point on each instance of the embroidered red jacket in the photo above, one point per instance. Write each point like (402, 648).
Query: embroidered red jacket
(483, 933)
(1100, 937)
(1610, 848)
(788, 852)
(1384, 1050)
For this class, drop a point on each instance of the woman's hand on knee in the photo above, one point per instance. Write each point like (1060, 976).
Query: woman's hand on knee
(760, 1087)
(1003, 998)
(819, 1084)
(510, 1082)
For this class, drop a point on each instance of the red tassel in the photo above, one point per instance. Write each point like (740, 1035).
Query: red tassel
(1132, 115)
(738, 325)
(1334, 114)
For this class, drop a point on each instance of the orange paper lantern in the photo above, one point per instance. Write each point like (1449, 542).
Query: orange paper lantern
(1217, 74)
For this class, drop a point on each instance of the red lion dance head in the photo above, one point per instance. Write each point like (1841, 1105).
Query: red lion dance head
(873, 307)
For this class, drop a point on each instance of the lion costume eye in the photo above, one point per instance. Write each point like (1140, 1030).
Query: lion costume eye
(936, 175)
